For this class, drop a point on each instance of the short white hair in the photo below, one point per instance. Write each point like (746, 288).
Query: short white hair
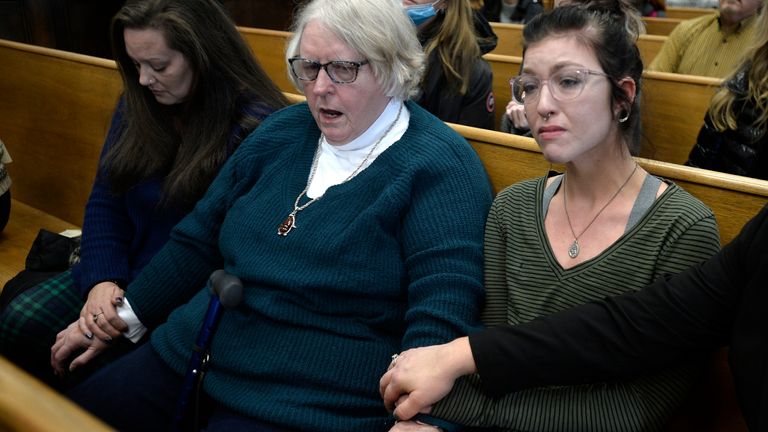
(379, 30)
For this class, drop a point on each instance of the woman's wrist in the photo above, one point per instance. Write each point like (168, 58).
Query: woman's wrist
(459, 357)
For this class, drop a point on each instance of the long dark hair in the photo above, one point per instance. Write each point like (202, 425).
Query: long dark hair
(604, 30)
(186, 144)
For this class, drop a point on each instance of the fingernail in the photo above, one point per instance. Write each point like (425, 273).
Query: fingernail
(89, 335)
(119, 301)
(108, 340)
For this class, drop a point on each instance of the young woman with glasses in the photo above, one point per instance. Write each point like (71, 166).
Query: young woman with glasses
(602, 227)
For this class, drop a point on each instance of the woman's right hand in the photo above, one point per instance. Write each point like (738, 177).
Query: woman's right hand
(72, 339)
(100, 311)
(516, 113)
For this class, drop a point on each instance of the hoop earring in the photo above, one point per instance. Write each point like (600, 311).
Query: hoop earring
(625, 117)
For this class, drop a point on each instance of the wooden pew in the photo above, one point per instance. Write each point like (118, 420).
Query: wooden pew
(685, 13)
(660, 26)
(54, 114)
(673, 107)
(28, 405)
(54, 104)
(511, 42)
(269, 47)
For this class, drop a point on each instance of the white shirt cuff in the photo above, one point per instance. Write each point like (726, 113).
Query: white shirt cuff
(136, 329)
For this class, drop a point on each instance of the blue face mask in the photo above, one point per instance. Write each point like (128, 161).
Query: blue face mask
(419, 14)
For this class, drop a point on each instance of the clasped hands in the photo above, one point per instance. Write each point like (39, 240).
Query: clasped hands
(418, 378)
(93, 332)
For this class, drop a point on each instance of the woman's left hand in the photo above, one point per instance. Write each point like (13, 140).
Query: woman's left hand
(420, 377)
(72, 339)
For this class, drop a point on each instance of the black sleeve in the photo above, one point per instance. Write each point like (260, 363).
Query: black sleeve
(478, 104)
(637, 332)
(707, 152)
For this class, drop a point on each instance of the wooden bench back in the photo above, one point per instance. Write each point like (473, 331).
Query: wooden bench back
(660, 26)
(269, 47)
(511, 42)
(685, 13)
(55, 109)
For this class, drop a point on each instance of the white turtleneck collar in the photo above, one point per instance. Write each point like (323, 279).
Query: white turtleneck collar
(336, 163)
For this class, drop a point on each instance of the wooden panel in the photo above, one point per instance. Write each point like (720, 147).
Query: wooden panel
(504, 68)
(510, 39)
(28, 405)
(52, 98)
(269, 48)
(649, 46)
(660, 26)
(511, 42)
(685, 13)
(673, 108)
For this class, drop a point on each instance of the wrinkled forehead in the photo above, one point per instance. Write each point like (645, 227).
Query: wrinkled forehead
(318, 42)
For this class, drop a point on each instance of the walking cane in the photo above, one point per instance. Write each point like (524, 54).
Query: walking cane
(227, 291)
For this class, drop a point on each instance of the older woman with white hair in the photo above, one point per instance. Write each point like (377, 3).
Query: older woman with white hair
(355, 222)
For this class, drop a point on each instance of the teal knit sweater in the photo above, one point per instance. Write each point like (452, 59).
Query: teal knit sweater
(390, 260)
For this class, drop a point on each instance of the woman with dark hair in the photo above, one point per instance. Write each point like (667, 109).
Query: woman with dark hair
(192, 92)
(562, 240)
(458, 83)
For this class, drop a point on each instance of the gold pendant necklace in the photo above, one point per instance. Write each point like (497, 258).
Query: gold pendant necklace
(574, 249)
(289, 223)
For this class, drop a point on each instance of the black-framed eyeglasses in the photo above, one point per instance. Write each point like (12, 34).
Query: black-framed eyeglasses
(564, 85)
(340, 71)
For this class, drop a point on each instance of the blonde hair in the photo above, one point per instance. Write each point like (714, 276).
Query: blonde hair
(456, 44)
(721, 109)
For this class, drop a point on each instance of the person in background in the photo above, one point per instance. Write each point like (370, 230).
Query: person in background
(711, 45)
(513, 121)
(5, 187)
(457, 86)
(192, 92)
(651, 8)
(565, 239)
(511, 11)
(355, 222)
(734, 137)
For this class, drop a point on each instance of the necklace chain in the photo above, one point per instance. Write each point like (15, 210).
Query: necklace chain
(574, 249)
(289, 222)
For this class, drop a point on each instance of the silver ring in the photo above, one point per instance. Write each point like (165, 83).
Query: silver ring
(394, 360)
(96, 316)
